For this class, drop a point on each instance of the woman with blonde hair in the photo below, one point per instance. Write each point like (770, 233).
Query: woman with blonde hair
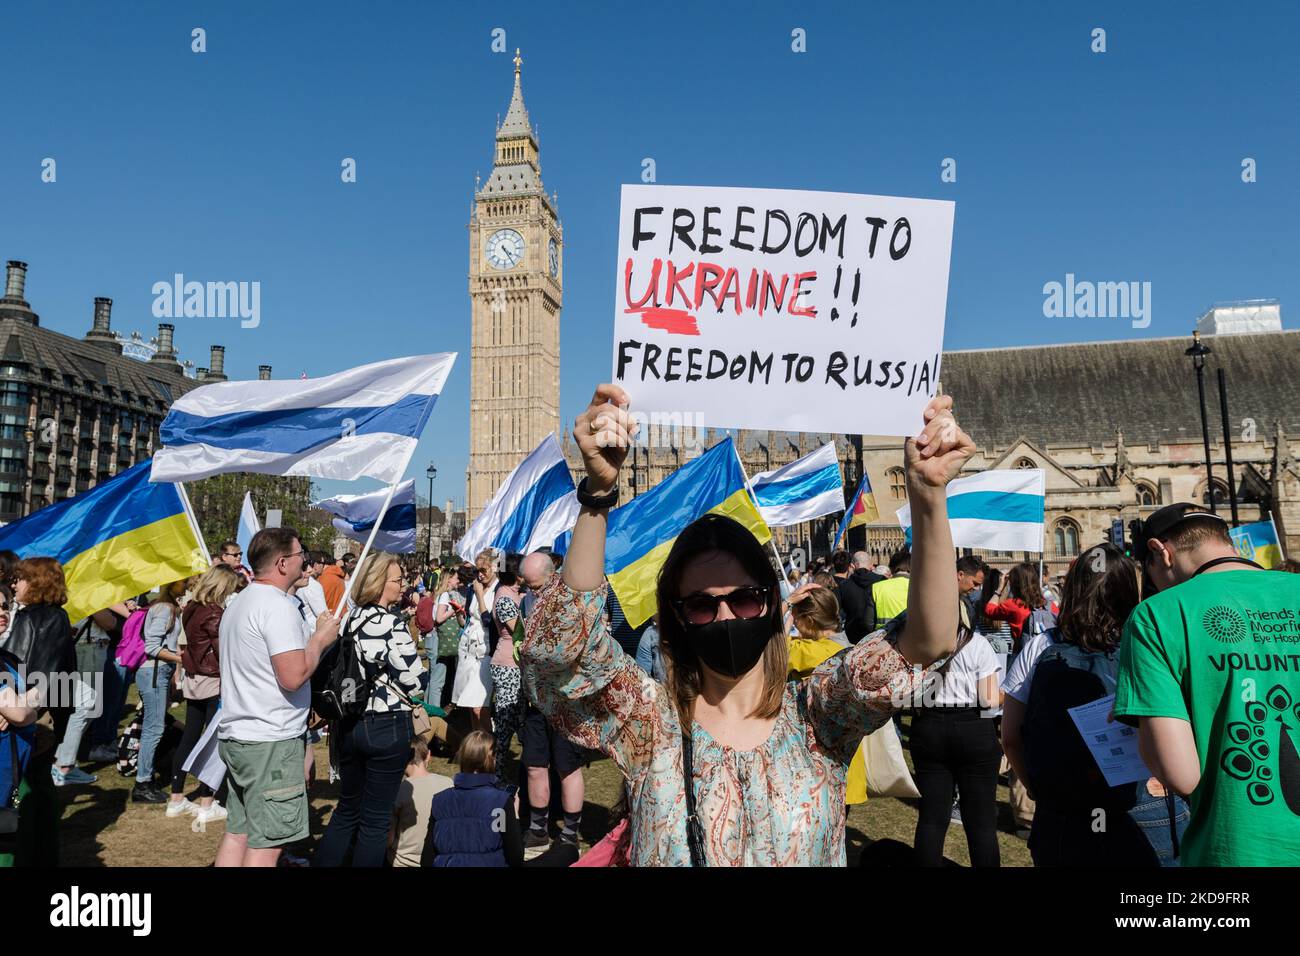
(373, 747)
(201, 660)
(816, 613)
(473, 685)
(758, 764)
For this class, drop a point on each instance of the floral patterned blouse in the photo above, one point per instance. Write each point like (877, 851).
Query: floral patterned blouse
(780, 804)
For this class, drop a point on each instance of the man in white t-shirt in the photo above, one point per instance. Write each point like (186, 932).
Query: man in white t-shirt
(266, 666)
(311, 593)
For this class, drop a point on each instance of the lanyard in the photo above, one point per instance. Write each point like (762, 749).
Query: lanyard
(1226, 559)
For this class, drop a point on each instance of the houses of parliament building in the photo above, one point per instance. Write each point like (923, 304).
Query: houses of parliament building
(1115, 425)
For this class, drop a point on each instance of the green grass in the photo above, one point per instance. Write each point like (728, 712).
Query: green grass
(101, 827)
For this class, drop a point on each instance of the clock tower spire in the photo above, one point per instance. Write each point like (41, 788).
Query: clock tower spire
(516, 291)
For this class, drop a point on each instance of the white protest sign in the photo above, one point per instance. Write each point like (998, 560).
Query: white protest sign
(781, 309)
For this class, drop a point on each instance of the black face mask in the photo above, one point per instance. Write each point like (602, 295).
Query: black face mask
(731, 647)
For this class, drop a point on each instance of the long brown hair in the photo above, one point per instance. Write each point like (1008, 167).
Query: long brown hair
(1024, 583)
(1100, 591)
(682, 666)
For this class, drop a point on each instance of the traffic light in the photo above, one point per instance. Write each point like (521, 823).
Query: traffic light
(1135, 539)
(1117, 533)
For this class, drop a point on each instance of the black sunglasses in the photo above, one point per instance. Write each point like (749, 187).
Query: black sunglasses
(701, 608)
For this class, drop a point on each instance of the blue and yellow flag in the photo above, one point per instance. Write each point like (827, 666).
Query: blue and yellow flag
(1258, 542)
(641, 533)
(121, 538)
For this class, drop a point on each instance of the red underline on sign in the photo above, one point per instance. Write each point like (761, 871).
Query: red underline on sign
(672, 321)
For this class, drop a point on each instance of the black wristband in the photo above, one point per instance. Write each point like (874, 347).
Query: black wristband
(599, 502)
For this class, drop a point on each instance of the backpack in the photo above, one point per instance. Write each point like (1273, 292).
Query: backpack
(449, 636)
(1040, 621)
(130, 649)
(347, 686)
(1062, 771)
(128, 744)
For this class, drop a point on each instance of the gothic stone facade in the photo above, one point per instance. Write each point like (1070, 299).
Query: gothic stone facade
(1115, 425)
(74, 412)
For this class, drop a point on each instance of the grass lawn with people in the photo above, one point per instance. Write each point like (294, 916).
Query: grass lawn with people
(102, 827)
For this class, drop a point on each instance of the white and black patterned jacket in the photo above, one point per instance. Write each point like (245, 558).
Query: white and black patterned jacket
(386, 649)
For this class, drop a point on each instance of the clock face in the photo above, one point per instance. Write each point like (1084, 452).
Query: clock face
(554, 252)
(505, 248)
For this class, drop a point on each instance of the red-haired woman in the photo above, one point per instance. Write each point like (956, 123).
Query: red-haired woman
(40, 638)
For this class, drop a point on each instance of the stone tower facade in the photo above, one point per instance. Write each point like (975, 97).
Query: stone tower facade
(516, 273)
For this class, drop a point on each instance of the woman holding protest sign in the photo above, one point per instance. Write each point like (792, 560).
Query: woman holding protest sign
(759, 764)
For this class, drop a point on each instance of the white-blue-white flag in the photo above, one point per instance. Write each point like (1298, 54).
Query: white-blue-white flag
(807, 488)
(364, 421)
(1001, 510)
(248, 526)
(355, 515)
(535, 505)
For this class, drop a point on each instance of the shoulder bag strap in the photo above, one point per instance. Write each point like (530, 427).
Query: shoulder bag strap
(13, 765)
(694, 829)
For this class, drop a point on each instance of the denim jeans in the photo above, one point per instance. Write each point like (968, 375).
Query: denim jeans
(153, 694)
(1136, 836)
(1151, 814)
(90, 664)
(116, 684)
(372, 756)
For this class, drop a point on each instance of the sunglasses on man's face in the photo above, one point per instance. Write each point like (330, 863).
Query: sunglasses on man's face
(701, 608)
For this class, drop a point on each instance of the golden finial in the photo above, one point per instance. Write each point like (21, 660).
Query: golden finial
(518, 60)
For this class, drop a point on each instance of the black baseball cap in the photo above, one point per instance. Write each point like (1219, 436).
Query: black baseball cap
(1163, 520)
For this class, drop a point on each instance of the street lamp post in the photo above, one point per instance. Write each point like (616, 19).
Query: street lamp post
(1227, 446)
(432, 472)
(1198, 351)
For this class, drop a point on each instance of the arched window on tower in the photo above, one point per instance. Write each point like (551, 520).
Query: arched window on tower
(897, 489)
(1220, 493)
(1147, 497)
(1067, 538)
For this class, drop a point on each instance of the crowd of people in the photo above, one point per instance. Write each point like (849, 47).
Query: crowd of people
(744, 718)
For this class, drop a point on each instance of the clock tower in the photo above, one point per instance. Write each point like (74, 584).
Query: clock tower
(516, 270)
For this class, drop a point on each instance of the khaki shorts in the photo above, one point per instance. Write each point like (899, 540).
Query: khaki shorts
(267, 793)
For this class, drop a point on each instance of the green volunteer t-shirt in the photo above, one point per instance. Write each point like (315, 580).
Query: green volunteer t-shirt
(1223, 652)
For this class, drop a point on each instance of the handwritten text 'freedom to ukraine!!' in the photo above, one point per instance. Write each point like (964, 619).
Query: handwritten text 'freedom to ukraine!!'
(751, 307)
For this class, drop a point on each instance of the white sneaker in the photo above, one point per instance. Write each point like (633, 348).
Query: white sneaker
(179, 808)
(211, 814)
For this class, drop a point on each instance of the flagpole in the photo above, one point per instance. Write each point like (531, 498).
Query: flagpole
(1281, 548)
(771, 540)
(194, 521)
(374, 529)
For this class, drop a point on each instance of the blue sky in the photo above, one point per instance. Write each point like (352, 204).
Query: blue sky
(1118, 166)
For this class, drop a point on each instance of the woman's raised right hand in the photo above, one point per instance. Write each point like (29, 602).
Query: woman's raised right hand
(604, 432)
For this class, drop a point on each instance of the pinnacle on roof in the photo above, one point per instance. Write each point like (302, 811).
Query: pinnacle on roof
(516, 122)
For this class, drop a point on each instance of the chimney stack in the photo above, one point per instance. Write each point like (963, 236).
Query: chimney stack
(200, 374)
(12, 304)
(101, 330)
(165, 352)
(264, 373)
(217, 364)
(15, 280)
